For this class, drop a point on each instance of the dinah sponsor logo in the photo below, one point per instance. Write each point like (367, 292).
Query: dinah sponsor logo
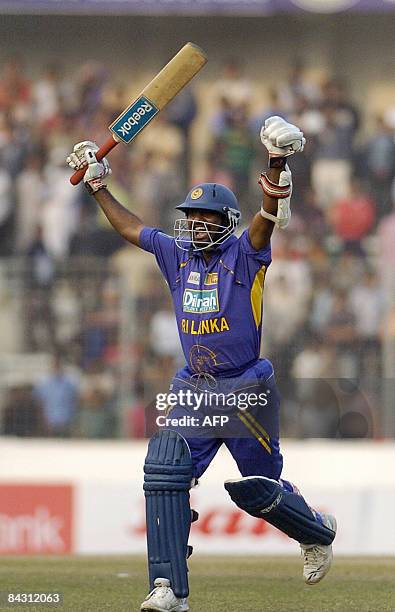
(200, 300)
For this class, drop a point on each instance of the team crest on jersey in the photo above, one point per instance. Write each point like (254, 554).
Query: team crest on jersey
(196, 193)
(200, 300)
(194, 278)
(211, 278)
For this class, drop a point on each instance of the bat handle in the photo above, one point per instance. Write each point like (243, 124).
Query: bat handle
(102, 152)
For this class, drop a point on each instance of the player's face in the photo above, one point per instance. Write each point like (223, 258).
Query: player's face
(209, 222)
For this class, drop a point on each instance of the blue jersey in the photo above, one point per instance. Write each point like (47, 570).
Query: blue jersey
(218, 305)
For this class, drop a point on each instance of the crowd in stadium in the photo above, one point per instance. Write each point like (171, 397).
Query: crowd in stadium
(326, 296)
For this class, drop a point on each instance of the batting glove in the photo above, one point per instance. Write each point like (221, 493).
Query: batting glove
(76, 160)
(83, 156)
(96, 171)
(281, 138)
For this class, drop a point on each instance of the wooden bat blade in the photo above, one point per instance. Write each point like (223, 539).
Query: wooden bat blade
(175, 75)
(163, 88)
(154, 97)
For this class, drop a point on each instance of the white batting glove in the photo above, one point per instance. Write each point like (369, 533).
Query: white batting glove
(96, 171)
(76, 160)
(83, 156)
(281, 138)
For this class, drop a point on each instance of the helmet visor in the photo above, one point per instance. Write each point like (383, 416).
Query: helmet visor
(200, 235)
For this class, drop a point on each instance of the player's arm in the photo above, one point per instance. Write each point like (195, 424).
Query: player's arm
(281, 139)
(123, 221)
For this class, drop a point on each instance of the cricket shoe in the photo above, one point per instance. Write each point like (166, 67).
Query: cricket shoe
(317, 559)
(162, 599)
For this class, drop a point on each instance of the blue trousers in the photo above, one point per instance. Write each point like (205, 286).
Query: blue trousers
(251, 432)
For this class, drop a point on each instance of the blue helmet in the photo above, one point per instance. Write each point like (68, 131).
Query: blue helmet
(214, 198)
(210, 196)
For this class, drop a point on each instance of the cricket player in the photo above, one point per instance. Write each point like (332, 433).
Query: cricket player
(216, 281)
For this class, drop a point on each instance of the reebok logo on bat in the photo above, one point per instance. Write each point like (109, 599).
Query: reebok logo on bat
(127, 125)
(134, 119)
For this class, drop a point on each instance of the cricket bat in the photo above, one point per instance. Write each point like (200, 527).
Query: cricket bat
(154, 97)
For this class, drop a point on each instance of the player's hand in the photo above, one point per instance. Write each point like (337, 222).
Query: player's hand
(76, 160)
(96, 172)
(281, 138)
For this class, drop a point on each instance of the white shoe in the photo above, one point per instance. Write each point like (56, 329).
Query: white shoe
(317, 558)
(162, 598)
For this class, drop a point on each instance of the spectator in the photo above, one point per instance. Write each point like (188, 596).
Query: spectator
(333, 153)
(181, 113)
(40, 329)
(22, 414)
(296, 87)
(57, 394)
(332, 158)
(386, 235)
(60, 208)
(97, 376)
(233, 87)
(335, 95)
(92, 79)
(341, 334)
(273, 108)
(380, 164)
(233, 152)
(220, 119)
(136, 422)
(46, 96)
(15, 90)
(349, 270)
(30, 191)
(317, 410)
(286, 324)
(322, 304)
(367, 305)
(6, 216)
(353, 216)
(162, 146)
(95, 418)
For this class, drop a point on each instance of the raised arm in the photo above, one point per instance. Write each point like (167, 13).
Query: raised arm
(281, 139)
(123, 221)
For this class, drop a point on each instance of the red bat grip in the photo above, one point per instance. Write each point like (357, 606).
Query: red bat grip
(102, 152)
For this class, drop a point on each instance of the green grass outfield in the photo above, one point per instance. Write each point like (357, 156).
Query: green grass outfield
(220, 584)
